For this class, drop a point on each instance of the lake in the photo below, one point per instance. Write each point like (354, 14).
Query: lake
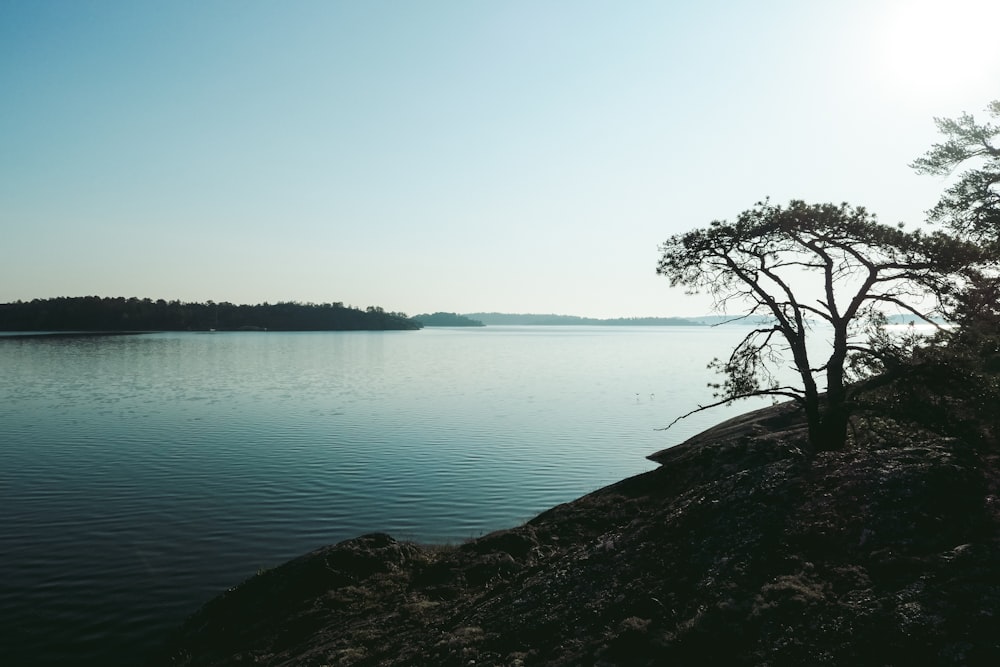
(142, 475)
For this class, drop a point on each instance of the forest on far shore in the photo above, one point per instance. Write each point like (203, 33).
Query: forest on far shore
(93, 313)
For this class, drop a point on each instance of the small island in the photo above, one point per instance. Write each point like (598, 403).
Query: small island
(447, 320)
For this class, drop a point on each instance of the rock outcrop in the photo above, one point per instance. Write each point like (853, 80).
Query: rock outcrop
(738, 550)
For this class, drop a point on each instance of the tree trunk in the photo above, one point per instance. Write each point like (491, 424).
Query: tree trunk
(827, 419)
(814, 421)
(826, 415)
(834, 419)
(832, 431)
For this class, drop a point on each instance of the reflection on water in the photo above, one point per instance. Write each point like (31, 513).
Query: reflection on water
(141, 475)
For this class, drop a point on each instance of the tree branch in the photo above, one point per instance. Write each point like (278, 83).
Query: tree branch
(701, 408)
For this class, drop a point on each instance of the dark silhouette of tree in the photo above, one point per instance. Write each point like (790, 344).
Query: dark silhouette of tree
(807, 265)
(971, 206)
(954, 381)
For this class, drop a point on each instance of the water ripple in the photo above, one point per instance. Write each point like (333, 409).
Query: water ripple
(141, 475)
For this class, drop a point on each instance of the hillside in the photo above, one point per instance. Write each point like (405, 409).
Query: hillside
(737, 550)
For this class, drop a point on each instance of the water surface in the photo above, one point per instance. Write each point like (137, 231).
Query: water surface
(141, 475)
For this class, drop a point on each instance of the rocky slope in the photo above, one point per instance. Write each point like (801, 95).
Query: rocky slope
(738, 550)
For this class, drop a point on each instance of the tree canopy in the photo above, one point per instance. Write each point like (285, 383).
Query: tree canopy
(955, 380)
(971, 205)
(809, 265)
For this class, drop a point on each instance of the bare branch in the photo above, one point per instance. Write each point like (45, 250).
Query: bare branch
(727, 401)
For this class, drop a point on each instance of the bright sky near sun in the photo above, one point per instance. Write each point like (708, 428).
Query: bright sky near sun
(516, 156)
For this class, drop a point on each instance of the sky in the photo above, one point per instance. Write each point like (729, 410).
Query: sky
(460, 156)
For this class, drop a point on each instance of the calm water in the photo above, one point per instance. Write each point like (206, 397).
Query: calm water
(141, 475)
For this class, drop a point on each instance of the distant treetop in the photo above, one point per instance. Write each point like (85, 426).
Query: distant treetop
(93, 313)
(447, 320)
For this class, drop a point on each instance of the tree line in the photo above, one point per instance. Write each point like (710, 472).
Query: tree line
(93, 313)
(441, 319)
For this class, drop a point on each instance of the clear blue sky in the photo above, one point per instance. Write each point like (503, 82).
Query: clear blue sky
(460, 156)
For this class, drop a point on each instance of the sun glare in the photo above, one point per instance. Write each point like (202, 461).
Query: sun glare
(931, 47)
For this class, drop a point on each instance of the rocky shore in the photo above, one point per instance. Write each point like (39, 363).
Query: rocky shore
(739, 549)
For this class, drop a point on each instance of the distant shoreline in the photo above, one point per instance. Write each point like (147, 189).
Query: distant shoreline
(20, 335)
(118, 314)
(529, 319)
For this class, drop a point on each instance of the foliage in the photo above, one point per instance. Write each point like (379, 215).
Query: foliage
(971, 205)
(953, 384)
(804, 265)
(440, 319)
(950, 386)
(92, 313)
